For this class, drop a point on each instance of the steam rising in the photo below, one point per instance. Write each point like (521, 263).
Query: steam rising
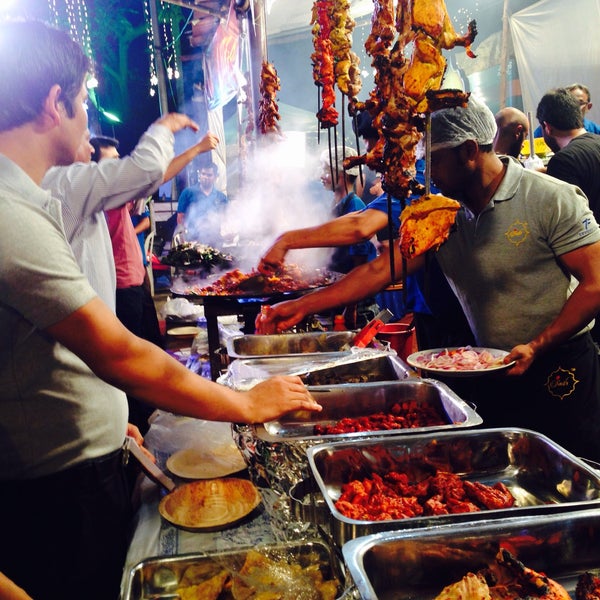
(275, 197)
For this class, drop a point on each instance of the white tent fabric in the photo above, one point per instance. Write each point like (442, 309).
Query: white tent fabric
(557, 43)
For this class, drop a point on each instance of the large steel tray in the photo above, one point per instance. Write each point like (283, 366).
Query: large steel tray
(543, 477)
(320, 369)
(363, 399)
(289, 344)
(418, 564)
(159, 577)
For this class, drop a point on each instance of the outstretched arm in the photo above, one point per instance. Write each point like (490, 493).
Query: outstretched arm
(352, 228)
(117, 356)
(208, 142)
(362, 282)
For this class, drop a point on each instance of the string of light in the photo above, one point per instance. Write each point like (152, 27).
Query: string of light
(151, 46)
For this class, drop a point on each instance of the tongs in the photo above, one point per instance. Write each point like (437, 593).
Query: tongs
(364, 337)
(152, 470)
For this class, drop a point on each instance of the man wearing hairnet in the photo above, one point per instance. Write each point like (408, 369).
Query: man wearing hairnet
(523, 260)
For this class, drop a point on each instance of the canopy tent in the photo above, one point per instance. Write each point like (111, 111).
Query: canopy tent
(556, 43)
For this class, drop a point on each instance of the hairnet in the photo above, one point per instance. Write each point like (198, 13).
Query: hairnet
(450, 127)
(342, 152)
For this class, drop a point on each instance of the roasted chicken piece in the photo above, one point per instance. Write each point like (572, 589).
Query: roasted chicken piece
(515, 580)
(470, 587)
(507, 579)
(432, 17)
(425, 224)
(588, 587)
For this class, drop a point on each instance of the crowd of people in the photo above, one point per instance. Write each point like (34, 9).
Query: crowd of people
(82, 364)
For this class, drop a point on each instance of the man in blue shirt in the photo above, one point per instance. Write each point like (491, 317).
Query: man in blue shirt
(201, 208)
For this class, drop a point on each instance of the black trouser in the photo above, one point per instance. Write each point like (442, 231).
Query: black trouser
(559, 396)
(65, 536)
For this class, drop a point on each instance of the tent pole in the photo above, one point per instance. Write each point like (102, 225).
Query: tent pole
(504, 55)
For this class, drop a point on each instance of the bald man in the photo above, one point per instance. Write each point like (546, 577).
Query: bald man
(513, 128)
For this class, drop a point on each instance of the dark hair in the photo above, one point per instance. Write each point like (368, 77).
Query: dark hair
(560, 109)
(102, 141)
(33, 58)
(212, 166)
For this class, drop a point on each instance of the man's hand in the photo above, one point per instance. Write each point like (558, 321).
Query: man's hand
(176, 122)
(282, 393)
(524, 355)
(280, 317)
(272, 259)
(209, 142)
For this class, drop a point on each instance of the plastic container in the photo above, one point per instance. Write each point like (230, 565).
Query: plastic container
(401, 337)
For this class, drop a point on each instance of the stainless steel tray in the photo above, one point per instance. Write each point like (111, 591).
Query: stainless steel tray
(542, 476)
(289, 344)
(159, 577)
(318, 369)
(418, 564)
(363, 399)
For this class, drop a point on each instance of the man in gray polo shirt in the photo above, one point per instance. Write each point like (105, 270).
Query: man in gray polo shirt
(524, 262)
(64, 353)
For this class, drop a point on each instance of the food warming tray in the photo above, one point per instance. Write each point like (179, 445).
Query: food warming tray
(363, 399)
(418, 564)
(361, 366)
(159, 577)
(543, 477)
(290, 344)
(275, 452)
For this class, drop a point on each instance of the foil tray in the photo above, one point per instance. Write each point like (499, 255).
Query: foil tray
(360, 365)
(418, 564)
(362, 399)
(159, 577)
(543, 477)
(290, 344)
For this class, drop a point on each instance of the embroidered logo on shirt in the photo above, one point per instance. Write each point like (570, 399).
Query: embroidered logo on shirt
(517, 233)
(561, 383)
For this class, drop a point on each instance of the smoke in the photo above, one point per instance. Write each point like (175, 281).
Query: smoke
(281, 191)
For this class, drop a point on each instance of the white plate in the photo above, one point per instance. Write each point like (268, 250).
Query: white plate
(183, 331)
(418, 360)
(219, 461)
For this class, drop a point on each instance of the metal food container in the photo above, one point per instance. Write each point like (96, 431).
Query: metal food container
(543, 477)
(359, 400)
(418, 564)
(160, 577)
(275, 452)
(289, 344)
(360, 365)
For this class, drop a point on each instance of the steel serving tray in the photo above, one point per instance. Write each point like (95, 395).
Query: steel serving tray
(320, 369)
(418, 564)
(363, 399)
(542, 476)
(289, 344)
(159, 577)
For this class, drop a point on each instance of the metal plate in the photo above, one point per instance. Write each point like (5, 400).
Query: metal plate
(159, 577)
(542, 476)
(363, 399)
(418, 564)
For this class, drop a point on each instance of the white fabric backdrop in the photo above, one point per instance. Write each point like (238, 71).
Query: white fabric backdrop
(556, 43)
